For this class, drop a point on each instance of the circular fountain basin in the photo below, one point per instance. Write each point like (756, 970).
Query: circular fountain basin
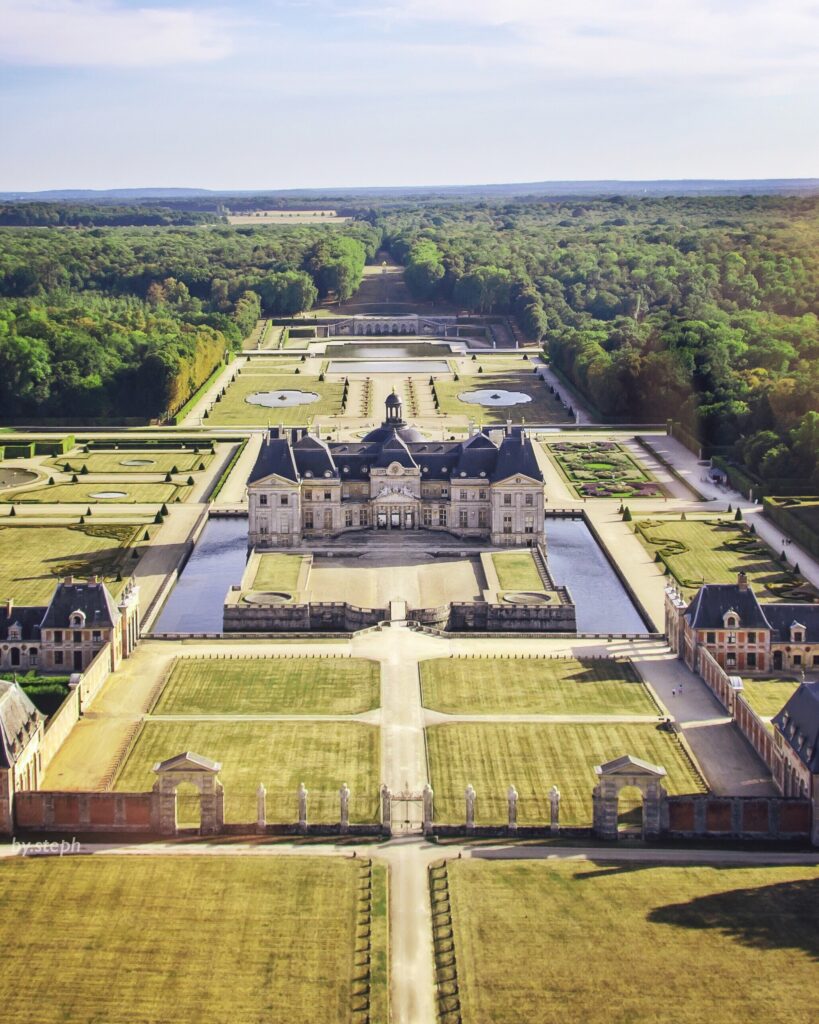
(282, 399)
(16, 477)
(109, 494)
(494, 397)
(528, 597)
(137, 462)
(267, 597)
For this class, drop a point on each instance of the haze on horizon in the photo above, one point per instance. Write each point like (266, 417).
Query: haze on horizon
(322, 93)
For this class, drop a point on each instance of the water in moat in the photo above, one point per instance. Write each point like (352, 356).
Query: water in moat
(576, 561)
(421, 366)
(217, 562)
(390, 350)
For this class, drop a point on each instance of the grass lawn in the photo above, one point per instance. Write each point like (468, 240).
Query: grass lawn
(283, 686)
(715, 550)
(149, 461)
(234, 409)
(542, 409)
(632, 944)
(184, 940)
(34, 558)
(83, 493)
(602, 469)
(322, 755)
(278, 572)
(533, 758)
(553, 686)
(517, 570)
(768, 696)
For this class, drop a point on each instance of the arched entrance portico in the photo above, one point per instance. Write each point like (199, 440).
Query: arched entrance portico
(202, 773)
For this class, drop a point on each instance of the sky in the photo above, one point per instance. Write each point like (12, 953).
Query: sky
(264, 94)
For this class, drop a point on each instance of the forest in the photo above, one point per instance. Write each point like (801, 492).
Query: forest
(106, 323)
(702, 309)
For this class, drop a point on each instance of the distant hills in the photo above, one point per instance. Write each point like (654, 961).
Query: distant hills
(545, 189)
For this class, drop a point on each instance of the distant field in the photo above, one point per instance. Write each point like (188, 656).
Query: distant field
(533, 758)
(34, 558)
(188, 940)
(322, 755)
(234, 409)
(283, 686)
(259, 218)
(551, 686)
(278, 572)
(83, 493)
(148, 461)
(714, 550)
(632, 943)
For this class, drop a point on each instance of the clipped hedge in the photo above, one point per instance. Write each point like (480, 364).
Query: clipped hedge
(798, 517)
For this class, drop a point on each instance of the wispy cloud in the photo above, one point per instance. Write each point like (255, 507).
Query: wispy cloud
(104, 33)
(761, 39)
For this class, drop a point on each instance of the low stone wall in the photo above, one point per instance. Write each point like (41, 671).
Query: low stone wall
(68, 714)
(319, 617)
(45, 811)
(738, 817)
(511, 618)
(749, 723)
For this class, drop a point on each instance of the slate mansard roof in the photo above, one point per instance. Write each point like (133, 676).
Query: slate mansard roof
(91, 598)
(715, 600)
(18, 722)
(798, 722)
(28, 619)
(297, 456)
(783, 616)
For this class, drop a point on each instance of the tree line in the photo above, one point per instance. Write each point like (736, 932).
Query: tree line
(115, 322)
(704, 309)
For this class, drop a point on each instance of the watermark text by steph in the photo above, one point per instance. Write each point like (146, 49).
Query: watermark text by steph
(44, 848)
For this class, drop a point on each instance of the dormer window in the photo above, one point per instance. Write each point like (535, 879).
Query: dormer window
(77, 619)
(15, 632)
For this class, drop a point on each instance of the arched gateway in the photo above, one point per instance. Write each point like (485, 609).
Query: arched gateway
(204, 775)
(614, 776)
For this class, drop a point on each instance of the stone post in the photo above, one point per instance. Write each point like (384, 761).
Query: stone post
(302, 807)
(428, 808)
(344, 794)
(386, 808)
(261, 808)
(554, 804)
(512, 801)
(470, 807)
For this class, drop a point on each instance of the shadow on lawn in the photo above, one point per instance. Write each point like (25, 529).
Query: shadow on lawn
(784, 916)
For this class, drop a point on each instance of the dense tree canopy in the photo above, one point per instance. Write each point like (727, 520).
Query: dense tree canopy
(101, 323)
(702, 309)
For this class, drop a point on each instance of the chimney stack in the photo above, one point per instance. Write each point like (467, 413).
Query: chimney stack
(742, 581)
(9, 606)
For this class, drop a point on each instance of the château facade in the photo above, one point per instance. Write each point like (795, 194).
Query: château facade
(489, 486)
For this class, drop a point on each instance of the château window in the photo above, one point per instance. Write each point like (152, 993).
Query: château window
(507, 524)
(798, 638)
(529, 526)
(752, 637)
(507, 499)
(730, 660)
(363, 517)
(96, 637)
(77, 636)
(482, 495)
(751, 661)
(442, 516)
(427, 516)
(32, 656)
(797, 659)
(464, 495)
(483, 518)
(285, 499)
(308, 495)
(731, 638)
(328, 496)
(348, 517)
(58, 636)
(710, 638)
(529, 500)
(308, 520)
(262, 499)
(58, 657)
(463, 518)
